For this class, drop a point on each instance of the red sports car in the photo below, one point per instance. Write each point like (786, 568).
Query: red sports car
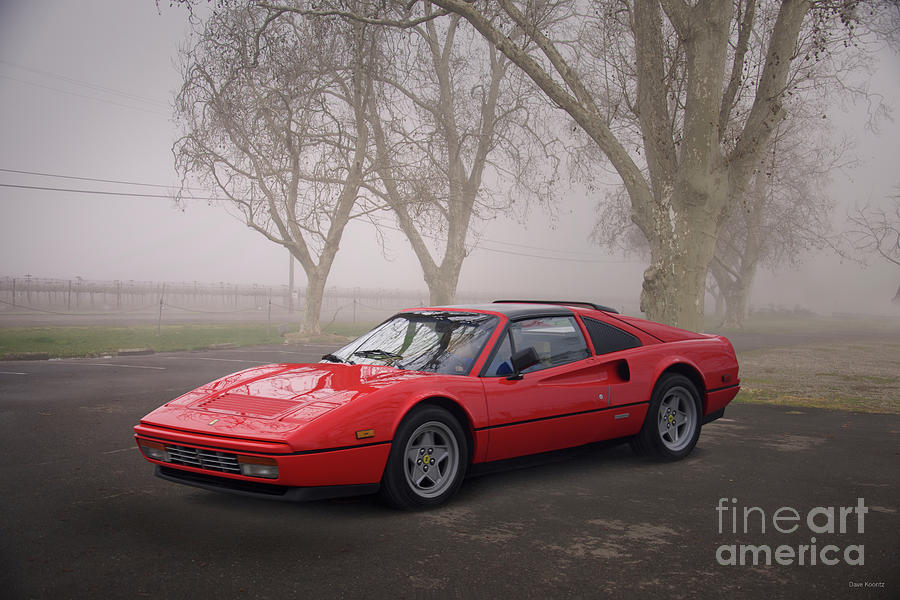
(408, 407)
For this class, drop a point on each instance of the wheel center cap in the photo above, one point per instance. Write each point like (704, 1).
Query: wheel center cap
(426, 459)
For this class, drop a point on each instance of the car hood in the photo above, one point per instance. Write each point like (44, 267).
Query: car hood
(273, 399)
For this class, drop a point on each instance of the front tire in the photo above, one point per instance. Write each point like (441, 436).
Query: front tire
(672, 425)
(428, 460)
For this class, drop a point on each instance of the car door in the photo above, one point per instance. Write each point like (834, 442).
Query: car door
(554, 403)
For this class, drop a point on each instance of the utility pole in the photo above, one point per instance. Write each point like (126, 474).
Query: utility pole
(159, 319)
(290, 282)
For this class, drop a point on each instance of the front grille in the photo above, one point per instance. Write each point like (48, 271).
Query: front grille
(204, 459)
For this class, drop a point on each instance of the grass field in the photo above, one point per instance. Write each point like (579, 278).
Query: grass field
(66, 342)
(849, 325)
(853, 372)
(861, 375)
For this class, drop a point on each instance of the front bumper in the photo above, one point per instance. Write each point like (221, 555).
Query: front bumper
(305, 475)
(256, 489)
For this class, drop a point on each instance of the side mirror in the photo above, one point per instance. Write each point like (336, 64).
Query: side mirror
(523, 359)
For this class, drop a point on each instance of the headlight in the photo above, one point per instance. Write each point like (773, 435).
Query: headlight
(154, 450)
(255, 466)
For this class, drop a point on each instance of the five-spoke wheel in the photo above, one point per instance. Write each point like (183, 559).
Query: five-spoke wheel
(677, 418)
(672, 425)
(432, 459)
(428, 459)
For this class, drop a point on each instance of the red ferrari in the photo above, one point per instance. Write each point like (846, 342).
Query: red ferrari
(407, 408)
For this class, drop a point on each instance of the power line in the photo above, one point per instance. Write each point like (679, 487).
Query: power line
(510, 252)
(100, 192)
(40, 174)
(87, 84)
(53, 89)
(212, 199)
(556, 258)
(530, 247)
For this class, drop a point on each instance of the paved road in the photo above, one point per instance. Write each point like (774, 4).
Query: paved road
(81, 515)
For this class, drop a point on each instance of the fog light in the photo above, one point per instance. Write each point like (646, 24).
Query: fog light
(154, 450)
(256, 466)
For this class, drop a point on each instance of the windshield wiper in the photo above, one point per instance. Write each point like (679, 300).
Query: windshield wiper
(378, 354)
(331, 358)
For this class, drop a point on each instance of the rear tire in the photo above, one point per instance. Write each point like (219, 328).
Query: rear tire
(428, 460)
(672, 425)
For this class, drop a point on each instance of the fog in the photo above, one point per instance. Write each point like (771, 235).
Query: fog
(86, 90)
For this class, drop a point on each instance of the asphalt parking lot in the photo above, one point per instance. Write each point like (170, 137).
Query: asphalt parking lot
(81, 515)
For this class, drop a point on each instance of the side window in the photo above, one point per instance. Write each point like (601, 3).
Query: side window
(501, 365)
(557, 341)
(607, 338)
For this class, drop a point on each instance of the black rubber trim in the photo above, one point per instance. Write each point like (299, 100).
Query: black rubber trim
(724, 387)
(493, 352)
(238, 451)
(580, 304)
(713, 416)
(572, 414)
(267, 491)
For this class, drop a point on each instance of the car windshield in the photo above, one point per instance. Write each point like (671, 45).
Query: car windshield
(435, 341)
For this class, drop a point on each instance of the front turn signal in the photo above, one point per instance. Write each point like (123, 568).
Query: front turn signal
(258, 466)
(154, 450)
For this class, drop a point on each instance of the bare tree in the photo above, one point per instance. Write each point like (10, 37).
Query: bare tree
(679, 175)
(785, 213)
(457, 138)
(273, 110)
(876, 230)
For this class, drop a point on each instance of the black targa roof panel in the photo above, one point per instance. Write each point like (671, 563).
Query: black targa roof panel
(515, 311)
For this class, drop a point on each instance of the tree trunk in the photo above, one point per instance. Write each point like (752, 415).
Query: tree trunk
(674, 287)
(734, 287)
(738, 296)
(442, 291)
(736, 306)
(315, 290)
(720, 304)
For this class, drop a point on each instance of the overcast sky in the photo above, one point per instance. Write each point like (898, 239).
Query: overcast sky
(86, 89)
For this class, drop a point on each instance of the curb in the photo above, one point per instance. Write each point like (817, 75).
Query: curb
(134, 351)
